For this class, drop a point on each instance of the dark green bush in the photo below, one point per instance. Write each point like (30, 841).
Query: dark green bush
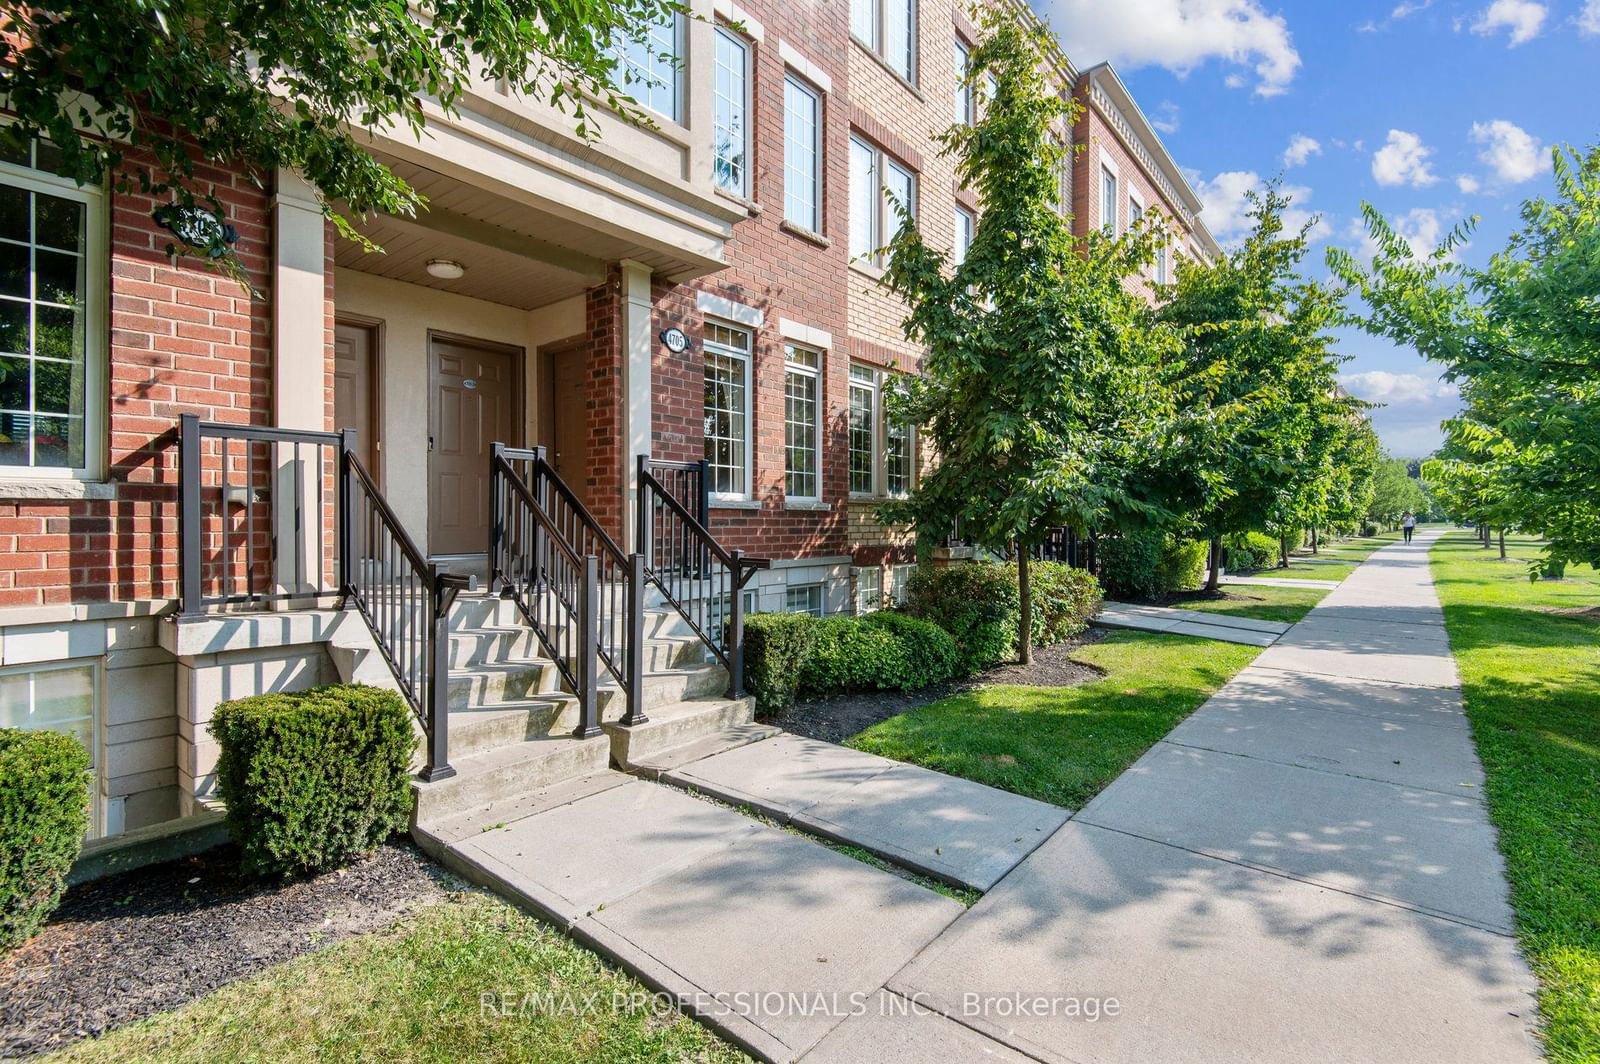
(44, 803)
(1064, 599)
(930, 652)
(1245, 552)
(1183, 564)
(776, 646)
(1368, 529)
(977, 603)
(851, 655)
(315, 778)
(1130, 564)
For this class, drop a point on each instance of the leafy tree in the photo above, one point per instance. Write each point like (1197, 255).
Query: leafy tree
(1521, 336)
(1394, 493)
(1039, 390)
(159, 85)
(1256, 384)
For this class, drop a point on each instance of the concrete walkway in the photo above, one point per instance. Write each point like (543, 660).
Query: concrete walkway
(1303, 870)
(1279, 581)
(1220, 626)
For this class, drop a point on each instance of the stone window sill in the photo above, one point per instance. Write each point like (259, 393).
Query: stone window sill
(805, 234)
(735, 504)
(64, 489)
(812, 505)
(751, 206)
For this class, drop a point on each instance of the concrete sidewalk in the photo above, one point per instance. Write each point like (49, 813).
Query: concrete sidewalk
(1304, 870)
(1220, 626)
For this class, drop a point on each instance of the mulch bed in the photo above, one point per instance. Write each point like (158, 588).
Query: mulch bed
(145, 941)
(834, 720)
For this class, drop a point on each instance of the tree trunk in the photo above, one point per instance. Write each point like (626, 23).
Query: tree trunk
(1315, 546)
(1283, 552)
(1214, 579)
(1025, 613)
(1502, 544)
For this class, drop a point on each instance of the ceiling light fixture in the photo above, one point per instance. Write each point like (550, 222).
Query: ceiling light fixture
(446, 269)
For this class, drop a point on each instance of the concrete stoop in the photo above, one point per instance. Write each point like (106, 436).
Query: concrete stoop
(512, 721)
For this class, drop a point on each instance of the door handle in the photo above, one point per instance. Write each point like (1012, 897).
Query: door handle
(430, 444)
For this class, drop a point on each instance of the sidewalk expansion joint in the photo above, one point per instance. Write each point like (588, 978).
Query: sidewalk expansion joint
(1469, 791)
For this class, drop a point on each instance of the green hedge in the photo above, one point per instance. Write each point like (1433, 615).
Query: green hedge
(977, 603)
(1064, 599)
(1130, 564)
(931, 652)
(1183, 564)
(1248, 551)
(776, 646)
(44, 812)
(315, 778)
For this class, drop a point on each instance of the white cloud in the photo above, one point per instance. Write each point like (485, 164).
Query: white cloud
(1422, 228)
(1523, 18)
(1589, 19)
(1468, 184)
(1180, 35)
(1381, 386)
(1227, 206)
(1403, 160)
(1406, 10)
(1168, 117)
(1510, 151)
(1301, 148)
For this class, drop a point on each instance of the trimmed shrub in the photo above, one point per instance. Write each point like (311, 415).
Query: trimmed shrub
(931, 653)
(315, 778)
(977, 603)
(44, 803)
(1245, 552)
(1130, 564)
(1183, 564)
(851, 655)
(1368, 529)
(776, 646)
(1064, 599)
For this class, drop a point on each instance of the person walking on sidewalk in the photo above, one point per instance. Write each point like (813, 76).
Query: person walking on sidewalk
(1409, 523)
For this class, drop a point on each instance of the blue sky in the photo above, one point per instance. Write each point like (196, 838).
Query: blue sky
(1432, 110)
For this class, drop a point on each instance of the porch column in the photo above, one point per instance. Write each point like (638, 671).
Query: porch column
(300, 379)
(636, 398)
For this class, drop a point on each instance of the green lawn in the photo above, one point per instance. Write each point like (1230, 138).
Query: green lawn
(1531, 678)
(417, 994)
(1064, 744)
(1286, 604)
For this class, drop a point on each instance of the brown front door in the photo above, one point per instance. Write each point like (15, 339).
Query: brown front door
(473, 405)
(570, 443)
(355, 350)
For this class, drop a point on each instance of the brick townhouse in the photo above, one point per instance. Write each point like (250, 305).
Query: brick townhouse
(696, 291)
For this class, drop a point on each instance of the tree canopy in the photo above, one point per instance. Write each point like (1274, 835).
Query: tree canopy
(1039, 392)
(1521, 337)
(169, 83)
(1261, 423)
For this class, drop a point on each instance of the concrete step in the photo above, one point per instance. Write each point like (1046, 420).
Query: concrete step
(508, 772)
(653, 765)
(474, 730)
(502, 681)
(475, 646)
(676, 724)
(664, 687)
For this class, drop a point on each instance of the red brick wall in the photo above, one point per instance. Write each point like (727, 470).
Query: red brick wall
(182, 339)
(786, 275)
(604, 399)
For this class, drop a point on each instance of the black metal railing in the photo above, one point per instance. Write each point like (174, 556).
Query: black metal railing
(405, 600)
(574, 586)
(696, 575)
(688, 482)
(250, 496)
(255, 515)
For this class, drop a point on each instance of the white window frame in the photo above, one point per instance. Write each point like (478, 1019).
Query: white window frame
(869, 25)
(725, 35)
(96, 758)
(866, 379)
(877, 214)
(1136, 208)
(1108, 198)
(96, 260)
(865, 574)
(962, 111)
(876, 386)
(814, 373)
(900, 583)
(966, 227)
(746, 359)
(807, 590)
(646, 75)
(792, 82)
